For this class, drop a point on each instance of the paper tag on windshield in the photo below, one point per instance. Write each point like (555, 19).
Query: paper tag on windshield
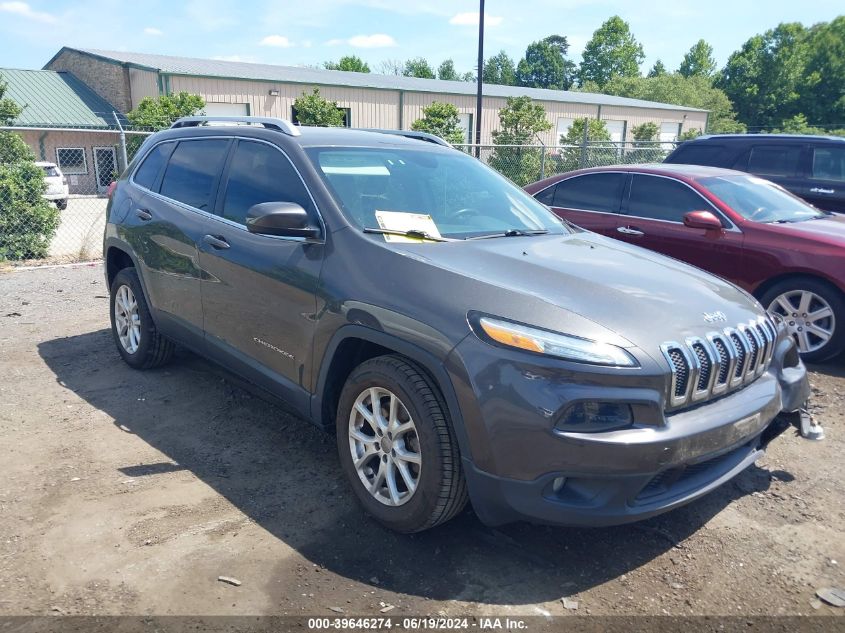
(402, 221)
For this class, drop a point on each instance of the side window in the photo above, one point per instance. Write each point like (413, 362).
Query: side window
(546, 196)
(699, 154)
(774, 160)
(591, 192)
(192, 171)
(829, 163)
(261, 173)
(659, 198)
(146, 174)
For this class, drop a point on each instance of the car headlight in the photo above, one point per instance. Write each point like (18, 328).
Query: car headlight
(564, 346)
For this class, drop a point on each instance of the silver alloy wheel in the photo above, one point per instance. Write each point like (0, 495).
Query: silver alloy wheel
(385, 446)
(127, 320)
(809, 318)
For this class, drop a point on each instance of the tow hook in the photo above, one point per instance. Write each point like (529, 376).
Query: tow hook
(808, 427)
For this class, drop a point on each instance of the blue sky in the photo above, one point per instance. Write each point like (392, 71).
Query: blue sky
(312, 31)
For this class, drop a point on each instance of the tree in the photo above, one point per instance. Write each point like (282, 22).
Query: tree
(612, 52)
(447, 71)
(468, 76)
(519, 123)
(349, 63)
(418, 67)
(160, 113)
(390, 67)
(645, 132)
(599, 151)
(441, 119)
(698, 61)
(688, 135)
(766, 78)
(27, 221)
(657, 70)
(823, 97)
(693, 92)
(499, 69)
(545, 65)
(312, 109)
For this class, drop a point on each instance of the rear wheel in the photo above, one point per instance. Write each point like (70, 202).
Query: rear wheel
(814, 313)
(397, 447)
(61, 205)
(137, 339)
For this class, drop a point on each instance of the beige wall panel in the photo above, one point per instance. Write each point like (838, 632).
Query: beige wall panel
(142, 83)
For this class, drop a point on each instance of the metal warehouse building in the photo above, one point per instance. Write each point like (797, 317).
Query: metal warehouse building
(368, 100)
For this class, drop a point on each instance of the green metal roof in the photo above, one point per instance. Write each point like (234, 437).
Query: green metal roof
(56, 99)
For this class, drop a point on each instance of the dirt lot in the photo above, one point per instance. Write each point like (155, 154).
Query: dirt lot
(130, 493)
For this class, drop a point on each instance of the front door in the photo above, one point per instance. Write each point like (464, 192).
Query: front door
(105, 167)
(653, 217)
(259, 291)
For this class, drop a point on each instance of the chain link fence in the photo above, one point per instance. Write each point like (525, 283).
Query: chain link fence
(54, 210)
(525, 164)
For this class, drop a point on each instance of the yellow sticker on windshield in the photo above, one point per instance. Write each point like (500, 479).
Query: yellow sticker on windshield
(403, 221)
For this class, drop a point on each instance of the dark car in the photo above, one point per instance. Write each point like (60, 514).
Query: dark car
(460, 339)
(812, 167)
(789, 255)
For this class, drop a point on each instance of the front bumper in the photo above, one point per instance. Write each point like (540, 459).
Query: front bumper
(526, 469)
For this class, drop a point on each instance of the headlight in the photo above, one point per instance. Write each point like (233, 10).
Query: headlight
(565, 346)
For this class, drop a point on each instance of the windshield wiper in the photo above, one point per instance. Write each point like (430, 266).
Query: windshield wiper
(509, 233)
(420, 235)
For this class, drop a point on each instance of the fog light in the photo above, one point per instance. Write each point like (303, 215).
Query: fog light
(591, 417)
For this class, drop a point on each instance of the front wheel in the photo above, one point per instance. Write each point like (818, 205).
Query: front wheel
(61, 205)
(397, 447)
(814, 313)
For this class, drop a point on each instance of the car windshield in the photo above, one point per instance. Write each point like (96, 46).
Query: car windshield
(400, 189)
(760, 200)
(50, 171)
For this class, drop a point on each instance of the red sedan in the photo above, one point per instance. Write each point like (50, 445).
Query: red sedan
(788, 254)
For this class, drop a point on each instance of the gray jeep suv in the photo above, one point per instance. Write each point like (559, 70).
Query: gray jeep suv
(462, 341)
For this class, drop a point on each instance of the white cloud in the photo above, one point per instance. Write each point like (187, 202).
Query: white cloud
(25, 11)
(279, 41)
(376, 40)
(471, 19)
(151, 30)
(250, 59)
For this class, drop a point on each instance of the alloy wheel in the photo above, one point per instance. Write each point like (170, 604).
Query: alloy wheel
(385, 446)
(809, 318)
(127, 320)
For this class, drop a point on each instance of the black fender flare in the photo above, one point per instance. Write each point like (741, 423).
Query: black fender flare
(425, 359)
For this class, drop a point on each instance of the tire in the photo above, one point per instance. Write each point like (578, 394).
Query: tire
(147, 349)
(440, 488)
(823, 299)
(61, 205)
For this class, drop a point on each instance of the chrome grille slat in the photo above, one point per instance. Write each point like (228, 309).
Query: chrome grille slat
(720, 362)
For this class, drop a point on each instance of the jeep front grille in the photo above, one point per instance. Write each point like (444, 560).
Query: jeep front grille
(703, 368)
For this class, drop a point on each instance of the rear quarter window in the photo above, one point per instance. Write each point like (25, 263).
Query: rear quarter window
(710, 155)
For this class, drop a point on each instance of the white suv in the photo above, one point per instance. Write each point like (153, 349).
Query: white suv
(57, 189)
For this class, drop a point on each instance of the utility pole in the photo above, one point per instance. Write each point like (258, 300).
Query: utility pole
(480, 72)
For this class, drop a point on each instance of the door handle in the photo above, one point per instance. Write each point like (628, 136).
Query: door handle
(144, 214)
(821, 190)
(215, 241)
(628, 231)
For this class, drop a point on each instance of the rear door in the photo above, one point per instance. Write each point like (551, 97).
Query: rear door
(175, 187)
(780, 163)
(653, 217)
(259, 294)
(825, 184)
(590, 201)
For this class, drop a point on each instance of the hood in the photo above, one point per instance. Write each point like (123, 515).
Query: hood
(830, 230)
(641, 296)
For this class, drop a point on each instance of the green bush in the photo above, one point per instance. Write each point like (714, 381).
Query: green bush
(27, 221)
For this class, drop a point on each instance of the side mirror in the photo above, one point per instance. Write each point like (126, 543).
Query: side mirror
(287, 219)
(702, 220)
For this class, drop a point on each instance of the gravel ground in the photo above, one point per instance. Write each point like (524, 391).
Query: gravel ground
(127, 492)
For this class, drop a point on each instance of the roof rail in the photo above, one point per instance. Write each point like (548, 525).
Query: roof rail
(282, 125)
(420, 136)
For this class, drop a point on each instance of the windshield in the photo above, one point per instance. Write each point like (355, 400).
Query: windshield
(760, 200)
(463, 197)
